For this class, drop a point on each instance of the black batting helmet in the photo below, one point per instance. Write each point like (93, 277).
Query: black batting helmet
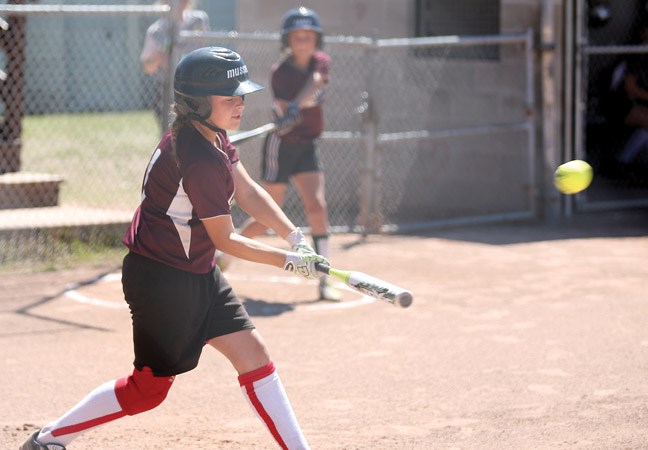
(209, 71)
(301, 18)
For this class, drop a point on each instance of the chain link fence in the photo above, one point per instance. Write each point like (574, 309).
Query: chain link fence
(419, 131)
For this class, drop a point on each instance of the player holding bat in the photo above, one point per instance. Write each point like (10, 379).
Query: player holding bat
(179, 300)
(289, 153)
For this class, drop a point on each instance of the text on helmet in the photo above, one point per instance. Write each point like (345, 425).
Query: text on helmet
(237, 71)
(303, 22)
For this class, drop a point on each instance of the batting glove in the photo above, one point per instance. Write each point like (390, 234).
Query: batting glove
(303, 264)
(298, 242)
(288, 121)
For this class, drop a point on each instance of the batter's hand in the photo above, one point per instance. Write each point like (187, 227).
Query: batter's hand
(303, 264)
(288, 121)
(298, 242)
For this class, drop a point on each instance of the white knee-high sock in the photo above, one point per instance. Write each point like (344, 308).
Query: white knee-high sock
(265, 393)
(112, 400)
(98, 407)
(321, 245)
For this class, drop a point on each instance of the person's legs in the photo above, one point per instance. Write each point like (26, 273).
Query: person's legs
(151, 290)
(261, 386)
(637, 117)
(139, 392)
(310, 186)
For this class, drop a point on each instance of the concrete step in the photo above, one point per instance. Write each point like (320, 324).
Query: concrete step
(27, 219)
(29, 235)
(29, 190)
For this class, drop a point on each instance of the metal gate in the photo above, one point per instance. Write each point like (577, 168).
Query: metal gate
(618, 152)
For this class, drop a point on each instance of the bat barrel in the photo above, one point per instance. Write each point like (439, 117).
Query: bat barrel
(369, 285)
(405, 299)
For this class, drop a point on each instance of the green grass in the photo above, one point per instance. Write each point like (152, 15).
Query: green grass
(102, 156)
(63, 248)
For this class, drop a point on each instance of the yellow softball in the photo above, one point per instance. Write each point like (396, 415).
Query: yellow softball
(573, 176)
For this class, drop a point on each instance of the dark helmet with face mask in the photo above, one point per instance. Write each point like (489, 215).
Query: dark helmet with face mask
(301, 19)
(209, 71)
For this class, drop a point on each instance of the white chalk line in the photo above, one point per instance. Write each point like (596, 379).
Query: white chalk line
(73, 294)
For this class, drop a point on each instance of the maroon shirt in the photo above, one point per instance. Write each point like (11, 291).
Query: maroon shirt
(176, 194)
(287, 81)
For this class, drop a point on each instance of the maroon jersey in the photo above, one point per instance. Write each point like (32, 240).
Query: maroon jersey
(287, 81)
(178, 192)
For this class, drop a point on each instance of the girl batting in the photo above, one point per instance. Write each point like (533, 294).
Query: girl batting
(178, 298)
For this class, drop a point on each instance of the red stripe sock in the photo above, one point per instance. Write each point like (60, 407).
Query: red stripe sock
(265, 393)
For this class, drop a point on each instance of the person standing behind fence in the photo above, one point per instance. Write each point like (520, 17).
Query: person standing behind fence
(290, 152)
(178, 298)
(154, 57)
(626, 101)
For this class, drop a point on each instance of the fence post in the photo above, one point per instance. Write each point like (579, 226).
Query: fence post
(172, 56)
(12, 43)
(534, 189)
(370, 217)
(550, 119)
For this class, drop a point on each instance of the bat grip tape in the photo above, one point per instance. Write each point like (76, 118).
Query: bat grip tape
(322, 268)
(340, 274)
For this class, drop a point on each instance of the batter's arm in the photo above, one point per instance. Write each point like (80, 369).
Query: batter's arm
(222, 233)
(255, 201)
(308, 96)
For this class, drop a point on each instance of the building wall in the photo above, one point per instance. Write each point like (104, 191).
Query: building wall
(376, 18)
(62, 50)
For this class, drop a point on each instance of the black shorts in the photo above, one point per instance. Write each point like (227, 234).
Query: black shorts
(282, 160)
(175, 313)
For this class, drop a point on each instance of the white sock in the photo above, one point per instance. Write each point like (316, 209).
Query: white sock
(321, 244)
(98, 407)
(321, 247)
(265, 393)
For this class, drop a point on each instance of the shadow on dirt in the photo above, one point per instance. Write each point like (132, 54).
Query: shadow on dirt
(27, 310)
(581, 226)
(263, 308)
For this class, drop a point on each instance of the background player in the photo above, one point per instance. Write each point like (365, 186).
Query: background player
(290, 153)
(154, 57)
(178, 298)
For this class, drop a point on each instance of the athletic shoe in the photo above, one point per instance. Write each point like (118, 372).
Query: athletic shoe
(32, 444)
(327, 291)
(223, 260)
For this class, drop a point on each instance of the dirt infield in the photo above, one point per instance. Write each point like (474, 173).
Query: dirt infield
(520, 337)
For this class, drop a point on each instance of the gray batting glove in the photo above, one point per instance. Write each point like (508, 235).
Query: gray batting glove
(298, 242)
(288, 121)
(303, 264)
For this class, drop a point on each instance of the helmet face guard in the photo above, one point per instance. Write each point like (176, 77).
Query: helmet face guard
(209, 71)
(301, 19)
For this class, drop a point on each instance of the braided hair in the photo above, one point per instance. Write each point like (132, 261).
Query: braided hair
(179, 122)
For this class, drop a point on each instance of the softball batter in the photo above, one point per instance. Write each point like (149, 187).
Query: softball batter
(290, 153)
(178, 298)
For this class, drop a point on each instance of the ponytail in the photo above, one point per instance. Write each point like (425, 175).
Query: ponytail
(179, 121)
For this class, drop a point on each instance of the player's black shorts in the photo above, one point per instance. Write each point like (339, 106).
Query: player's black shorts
(282, 160)
(175, 313)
